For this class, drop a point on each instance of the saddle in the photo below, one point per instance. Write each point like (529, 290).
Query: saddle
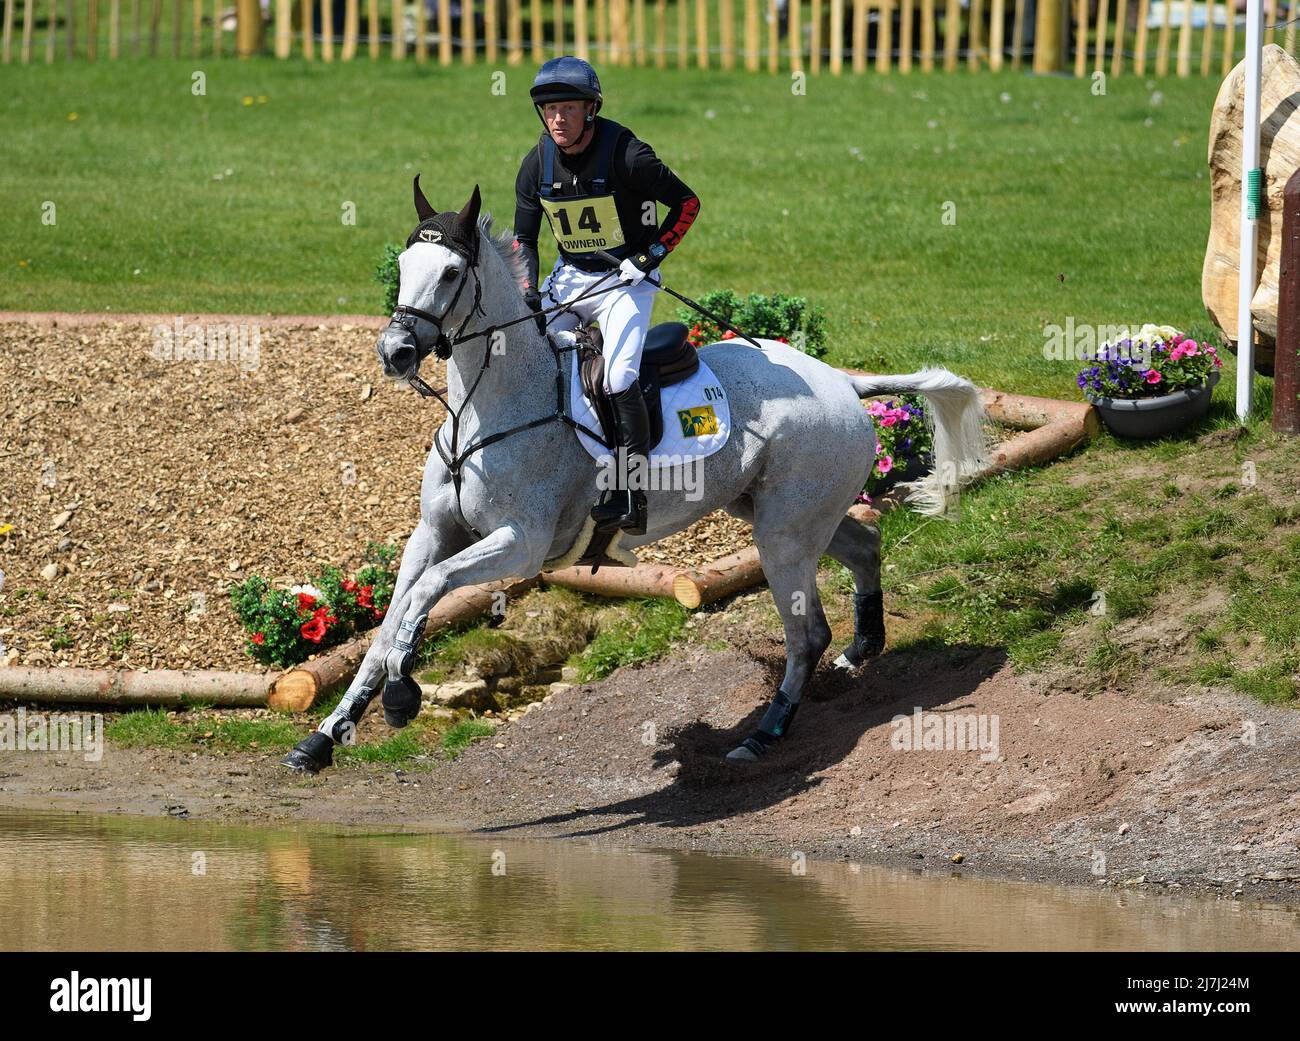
(668, 357)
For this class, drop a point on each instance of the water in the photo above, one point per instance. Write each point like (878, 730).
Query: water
(127, 883)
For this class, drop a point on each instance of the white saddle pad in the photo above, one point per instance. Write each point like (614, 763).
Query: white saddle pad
(697, 419)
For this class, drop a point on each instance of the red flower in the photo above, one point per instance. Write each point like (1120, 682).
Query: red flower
(783, 339)
(728, 335)
(320, 622)
(365, 596)
(259, 638)
(349, 586)
(305, 602)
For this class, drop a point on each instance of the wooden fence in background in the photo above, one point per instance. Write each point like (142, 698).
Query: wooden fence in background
(1145, 37)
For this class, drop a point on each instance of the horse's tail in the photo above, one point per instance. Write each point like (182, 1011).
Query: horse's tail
(956, 415)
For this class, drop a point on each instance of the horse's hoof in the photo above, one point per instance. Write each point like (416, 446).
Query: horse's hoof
(311, 755)
(401, 702)
(742, 754)
(842, 662)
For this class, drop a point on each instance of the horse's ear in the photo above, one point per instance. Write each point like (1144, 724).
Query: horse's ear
(422, 208)
(468, 216)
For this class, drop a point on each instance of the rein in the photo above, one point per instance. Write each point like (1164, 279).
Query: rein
(455, 460)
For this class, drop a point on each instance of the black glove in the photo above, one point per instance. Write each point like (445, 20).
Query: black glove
(534, 300)
(649, 259)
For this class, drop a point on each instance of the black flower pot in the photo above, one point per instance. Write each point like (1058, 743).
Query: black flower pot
(1146, 418)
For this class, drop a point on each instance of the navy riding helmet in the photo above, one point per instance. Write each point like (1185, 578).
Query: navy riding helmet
(565, 79)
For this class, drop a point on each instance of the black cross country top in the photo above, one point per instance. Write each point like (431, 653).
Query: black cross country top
(598, 199)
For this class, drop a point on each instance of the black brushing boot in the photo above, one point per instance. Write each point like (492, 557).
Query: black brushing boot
(401, 700)
(868, 630)
(313, 753)
(624, 506)
(774, 725)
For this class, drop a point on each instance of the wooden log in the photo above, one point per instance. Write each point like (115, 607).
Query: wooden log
(1035, 447)
(300, 687)
(642, 580)
(1286, 385)
(1024, 412)
(125, 689)
(723, 577)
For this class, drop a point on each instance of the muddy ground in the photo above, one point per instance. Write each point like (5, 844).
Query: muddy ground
(1160, 791)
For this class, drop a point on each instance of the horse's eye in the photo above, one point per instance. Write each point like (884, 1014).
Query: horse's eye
(449, 274)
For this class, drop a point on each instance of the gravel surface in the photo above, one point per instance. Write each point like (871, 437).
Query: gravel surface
(140, 489)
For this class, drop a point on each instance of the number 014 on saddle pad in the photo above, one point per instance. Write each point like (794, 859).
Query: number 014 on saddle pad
(695, 411)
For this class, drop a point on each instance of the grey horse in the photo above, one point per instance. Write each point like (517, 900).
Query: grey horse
(801, 449)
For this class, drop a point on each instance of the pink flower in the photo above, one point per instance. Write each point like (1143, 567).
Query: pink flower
(876, 408)
(884, 464)
(1153, 377)
(888, 419)
(1178, 352)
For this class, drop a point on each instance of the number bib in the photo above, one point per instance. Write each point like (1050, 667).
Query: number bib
(584, 224)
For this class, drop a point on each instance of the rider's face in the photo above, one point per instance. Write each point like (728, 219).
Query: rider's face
(566, 120)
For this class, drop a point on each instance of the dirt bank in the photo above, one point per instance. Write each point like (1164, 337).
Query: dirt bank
(1155, 791)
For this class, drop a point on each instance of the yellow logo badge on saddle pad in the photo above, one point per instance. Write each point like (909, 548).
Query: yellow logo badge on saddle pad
(697, 422)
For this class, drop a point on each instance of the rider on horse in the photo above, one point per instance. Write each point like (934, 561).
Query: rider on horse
(598, 186)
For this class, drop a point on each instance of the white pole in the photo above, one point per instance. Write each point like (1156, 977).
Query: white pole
(1252, 200)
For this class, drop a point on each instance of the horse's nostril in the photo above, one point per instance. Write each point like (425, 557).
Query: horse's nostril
(402, 357)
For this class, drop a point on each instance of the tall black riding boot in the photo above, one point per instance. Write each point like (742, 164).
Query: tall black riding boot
(624, 506)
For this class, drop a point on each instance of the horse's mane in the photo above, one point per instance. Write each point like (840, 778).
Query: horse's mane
(504, 244)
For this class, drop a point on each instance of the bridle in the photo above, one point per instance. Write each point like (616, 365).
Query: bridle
(407, 318)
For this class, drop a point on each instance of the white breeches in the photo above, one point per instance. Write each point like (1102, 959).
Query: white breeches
(623, 315)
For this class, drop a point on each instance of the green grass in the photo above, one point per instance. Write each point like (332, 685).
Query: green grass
(465, 733)
(642, 631)
(1067, 204)
(156, 728)
(1026, 565)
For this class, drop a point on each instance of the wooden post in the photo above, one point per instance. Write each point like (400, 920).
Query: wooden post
(997, 29)
(1269, 20)
(951, 35)
(1185, 42)
(92, 30)
(638, 31)
(283, 28)
(351, 29)
(975, 37)
(248, 27)
(884, 36)
(558, 40)
(308, 36)
(859, 38)
(26, 54)
(515, 32)
(580, 29)
(751, 34)
(1286, 385)
(927, 35)
(837, 36)
(444, 33)
(1103, 17)
(196, 29)
(1117, 52)
(491, 31)
(683, 36)
(9, 30)
(1140, 50)
(372, 28)
(905, 36)
(399, 30)
(421, 33)
(327, 30)
(1048, 53)
(1162, 41)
